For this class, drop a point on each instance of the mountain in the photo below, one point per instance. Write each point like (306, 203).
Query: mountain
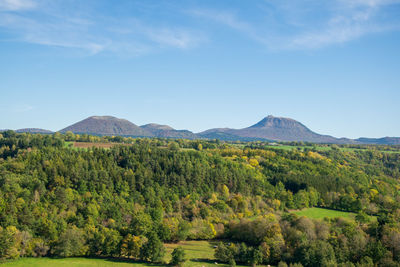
(284, 129)
(166, 131)
(107, 125)
(379, 141)
(277, 129)
(268, 129)
(34, 131)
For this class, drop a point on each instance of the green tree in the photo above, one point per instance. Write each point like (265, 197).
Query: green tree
(131, 245)
(316, 253)
(224, 253)
(153, 250)
(178, 256)
(8, 243)
(71, 243)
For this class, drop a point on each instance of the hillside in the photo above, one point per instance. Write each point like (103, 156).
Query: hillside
(106, 125)
(123, 202)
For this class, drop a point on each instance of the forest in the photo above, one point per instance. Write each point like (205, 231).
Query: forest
(126, 201)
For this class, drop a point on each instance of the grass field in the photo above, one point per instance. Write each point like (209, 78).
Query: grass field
(74, 262)
(198, 254)
(320, 213)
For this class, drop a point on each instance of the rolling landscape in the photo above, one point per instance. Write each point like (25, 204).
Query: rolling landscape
(79, 200)
(199, 133)
(268, 129)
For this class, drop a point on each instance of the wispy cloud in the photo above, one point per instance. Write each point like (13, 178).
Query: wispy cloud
(175, 38)
(90, 32)
(307, 24)
(13, 5)
(348, 20)
(224, 17)
(283, 24)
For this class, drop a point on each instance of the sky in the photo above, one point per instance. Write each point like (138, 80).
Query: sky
(333, 65)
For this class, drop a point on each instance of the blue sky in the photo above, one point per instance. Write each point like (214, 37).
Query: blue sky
(334, 65)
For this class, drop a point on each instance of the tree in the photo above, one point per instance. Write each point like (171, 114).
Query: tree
(183, 230)
(254, 256)
(131, 245)
(69, 136)
(71, 243)
(301, 199)
(141, 223)
(315, 254)
(8, 249)
(104, 241)
(178, 256)
(153, 250)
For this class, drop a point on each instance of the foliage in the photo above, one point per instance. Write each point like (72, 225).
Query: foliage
(127, 199)
(178, 256)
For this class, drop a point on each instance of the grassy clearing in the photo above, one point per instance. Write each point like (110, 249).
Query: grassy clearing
(320, 213)
(198, 254)
(74, 262)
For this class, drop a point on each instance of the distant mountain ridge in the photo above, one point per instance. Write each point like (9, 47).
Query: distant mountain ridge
(379, 141)
(106, 125)
(269, 128)
(166, 131)
(34, 130)
(278, 129)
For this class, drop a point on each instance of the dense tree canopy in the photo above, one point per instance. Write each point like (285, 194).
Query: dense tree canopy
(125, 200)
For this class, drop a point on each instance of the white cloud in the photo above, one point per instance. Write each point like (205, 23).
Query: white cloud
(15, 5)
(53, 33)
(91, 32)
(351, 19)
(283, 24)
(231, 20)
(174, 38)
(224, 17)
(370, 3)
(304, 27)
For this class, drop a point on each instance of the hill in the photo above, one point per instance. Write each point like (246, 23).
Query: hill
(34, 131)
(269, 128)
(277, 129)
(107, 125)
(166, 131)
(380, 141)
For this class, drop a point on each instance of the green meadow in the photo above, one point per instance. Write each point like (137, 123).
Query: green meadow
(198, 254)
(321, 213)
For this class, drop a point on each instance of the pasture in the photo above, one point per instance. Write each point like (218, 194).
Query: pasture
(321, 213)
(198, 254)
